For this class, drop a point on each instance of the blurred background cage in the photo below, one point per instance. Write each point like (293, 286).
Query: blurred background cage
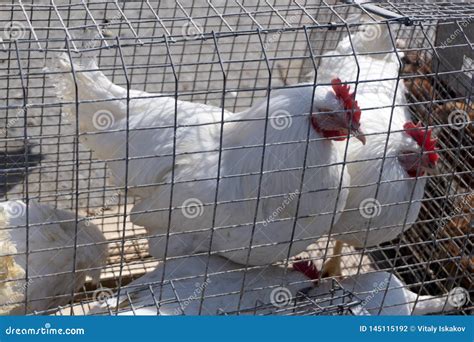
(254, 42)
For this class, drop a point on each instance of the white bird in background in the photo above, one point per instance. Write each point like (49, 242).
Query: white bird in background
(267, 290)
(379, 209)
(375, 67)
(410, 154)
(326, 113)
(50, 256)
(220, 290)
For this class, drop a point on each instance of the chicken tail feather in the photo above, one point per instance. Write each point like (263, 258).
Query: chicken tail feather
(431, 305)
(96, 94)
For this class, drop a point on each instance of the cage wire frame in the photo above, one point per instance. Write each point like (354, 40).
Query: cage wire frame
(190, 51)
(302, 304)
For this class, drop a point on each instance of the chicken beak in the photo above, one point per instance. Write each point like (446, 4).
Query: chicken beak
(358, 134)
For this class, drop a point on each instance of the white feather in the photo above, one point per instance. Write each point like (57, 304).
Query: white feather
(50, 258)
(382, 112)
(221, 289)
(369, 60)
(383, 294)
(398, 199)
(151, 124)
(271, 290)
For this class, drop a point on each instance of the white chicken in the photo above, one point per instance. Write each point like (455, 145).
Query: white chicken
(368, 219)
(379, 209)
(268, 290)
(369, 59)
(50, 256)
(185, 284)
(323, 114)
(382, 293)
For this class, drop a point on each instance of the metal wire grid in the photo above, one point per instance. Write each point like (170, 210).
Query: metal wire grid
(338, 301)
(443, 232)
(455, 10)
(155, 38)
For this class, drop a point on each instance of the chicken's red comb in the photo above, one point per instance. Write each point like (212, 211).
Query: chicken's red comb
(423, 138)
(342, 92)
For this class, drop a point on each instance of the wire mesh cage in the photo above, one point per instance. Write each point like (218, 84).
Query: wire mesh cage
(157, 158)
